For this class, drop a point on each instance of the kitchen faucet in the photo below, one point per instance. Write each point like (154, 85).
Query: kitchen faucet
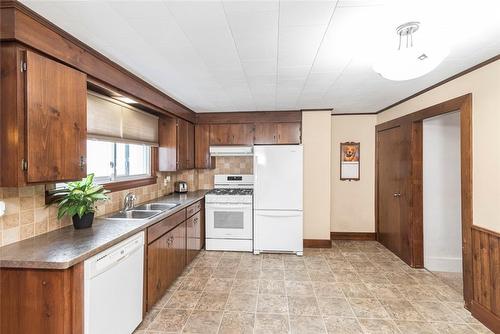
(128, 202)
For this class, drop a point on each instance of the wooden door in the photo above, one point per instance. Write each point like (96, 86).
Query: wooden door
(241, 134)
(265, 133)
(193, 236)
(179, 244)
(167, 150)
(389, 187)
(160, 267)
(190, 145)
(202, 147)
(182, 144)
(288, 133)
(231, 134)
(56, 127)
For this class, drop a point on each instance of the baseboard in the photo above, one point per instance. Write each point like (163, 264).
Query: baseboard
(447, 264)
(485, 316)
(362, 236)
(317, 243)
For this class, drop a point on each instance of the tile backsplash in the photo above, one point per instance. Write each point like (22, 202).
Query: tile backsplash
(26, 214)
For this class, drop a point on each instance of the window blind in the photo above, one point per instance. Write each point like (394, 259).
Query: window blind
(112, 120)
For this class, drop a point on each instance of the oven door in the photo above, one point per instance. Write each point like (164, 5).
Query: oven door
(228, 220)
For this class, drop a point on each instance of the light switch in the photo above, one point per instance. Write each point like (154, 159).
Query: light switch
(166, 180)
(2, 208)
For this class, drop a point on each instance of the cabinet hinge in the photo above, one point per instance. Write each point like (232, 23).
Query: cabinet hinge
(24, 66)
(24, 165)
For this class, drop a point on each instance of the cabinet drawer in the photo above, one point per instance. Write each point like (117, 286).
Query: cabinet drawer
(167, 224)
(193, 208)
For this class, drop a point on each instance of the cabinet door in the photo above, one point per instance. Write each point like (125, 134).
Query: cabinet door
(219, 134)
(190, 146)
(288, 133)
(161, 267)
(193, 237)
(266, 133)
(231, 134)
(202, 147)
(167, 150)
(179, 234)
(56, 122)
(241, 134)
(182, 144)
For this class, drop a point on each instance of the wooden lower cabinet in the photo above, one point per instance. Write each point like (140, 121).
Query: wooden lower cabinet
(193, 237)
(166, 259)
(41, 301)
(172, 244)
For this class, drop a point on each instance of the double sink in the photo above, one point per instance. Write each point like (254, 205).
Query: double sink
(143, 211)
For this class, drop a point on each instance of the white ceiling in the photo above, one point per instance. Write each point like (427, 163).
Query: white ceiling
(276, 55)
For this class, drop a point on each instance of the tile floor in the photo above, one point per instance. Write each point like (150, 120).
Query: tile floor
(354, 287)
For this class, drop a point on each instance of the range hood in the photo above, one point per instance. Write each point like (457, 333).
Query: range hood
(231, 151)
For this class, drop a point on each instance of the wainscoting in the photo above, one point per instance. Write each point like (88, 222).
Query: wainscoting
(486, 277)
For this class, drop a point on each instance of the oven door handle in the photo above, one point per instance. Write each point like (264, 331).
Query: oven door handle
(228, 206)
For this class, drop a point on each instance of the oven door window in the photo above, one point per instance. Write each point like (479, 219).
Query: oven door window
(229, 220)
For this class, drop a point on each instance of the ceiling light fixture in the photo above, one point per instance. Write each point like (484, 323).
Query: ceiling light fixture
(125, 99)
(410, 61)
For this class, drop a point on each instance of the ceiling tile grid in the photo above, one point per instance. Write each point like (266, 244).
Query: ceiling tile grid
(243, 55)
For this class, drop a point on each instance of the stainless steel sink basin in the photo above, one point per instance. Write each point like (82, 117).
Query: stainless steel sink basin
(135, 214)
(157, 206)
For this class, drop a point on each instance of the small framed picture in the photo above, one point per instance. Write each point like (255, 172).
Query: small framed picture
(349, 161)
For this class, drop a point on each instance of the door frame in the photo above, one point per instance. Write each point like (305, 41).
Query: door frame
(412, 184)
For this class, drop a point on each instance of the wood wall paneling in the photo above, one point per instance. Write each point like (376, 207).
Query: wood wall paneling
(486, 277)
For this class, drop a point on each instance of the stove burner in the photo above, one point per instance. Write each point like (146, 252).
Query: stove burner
(231, 191)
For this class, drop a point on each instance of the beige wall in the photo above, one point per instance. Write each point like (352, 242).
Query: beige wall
(352, 202)
(484, 84)
(316, 134)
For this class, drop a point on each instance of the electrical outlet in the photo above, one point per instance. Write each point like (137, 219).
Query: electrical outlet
(166, 180)
(2, 208)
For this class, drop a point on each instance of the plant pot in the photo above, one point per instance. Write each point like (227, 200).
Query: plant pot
(84, 222)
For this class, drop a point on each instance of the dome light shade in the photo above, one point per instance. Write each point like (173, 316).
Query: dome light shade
(410, 62)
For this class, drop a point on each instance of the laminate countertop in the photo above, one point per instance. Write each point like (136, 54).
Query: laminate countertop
(62, 248)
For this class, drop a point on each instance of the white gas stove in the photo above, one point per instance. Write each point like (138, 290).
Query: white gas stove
(229, 214)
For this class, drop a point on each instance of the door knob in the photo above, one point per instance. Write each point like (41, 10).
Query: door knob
(396, 195)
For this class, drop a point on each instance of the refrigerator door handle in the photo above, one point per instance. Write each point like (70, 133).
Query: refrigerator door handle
(278, 214)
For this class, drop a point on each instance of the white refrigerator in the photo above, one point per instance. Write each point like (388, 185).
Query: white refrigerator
(278, 197)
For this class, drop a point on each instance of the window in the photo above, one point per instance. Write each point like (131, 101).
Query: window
(112, 161)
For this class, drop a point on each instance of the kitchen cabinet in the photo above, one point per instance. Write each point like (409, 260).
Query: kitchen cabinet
(231, 134)
(194, 234)
(44, 119)
(277, 133)
(202, 147)
(40, 301)
(166, 259)
(176, 144)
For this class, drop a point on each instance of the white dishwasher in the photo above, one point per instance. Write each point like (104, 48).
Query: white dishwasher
(113, 288)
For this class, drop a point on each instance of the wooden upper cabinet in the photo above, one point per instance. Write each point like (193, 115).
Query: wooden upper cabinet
(185, 145)
(176, 144)
(56, 120)
(288, 133)
(202, 147)
(231, 134)
(277, 133)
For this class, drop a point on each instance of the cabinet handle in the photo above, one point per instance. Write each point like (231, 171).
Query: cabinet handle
(82, 162)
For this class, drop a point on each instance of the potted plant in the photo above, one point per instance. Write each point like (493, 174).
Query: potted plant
(78, 201)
